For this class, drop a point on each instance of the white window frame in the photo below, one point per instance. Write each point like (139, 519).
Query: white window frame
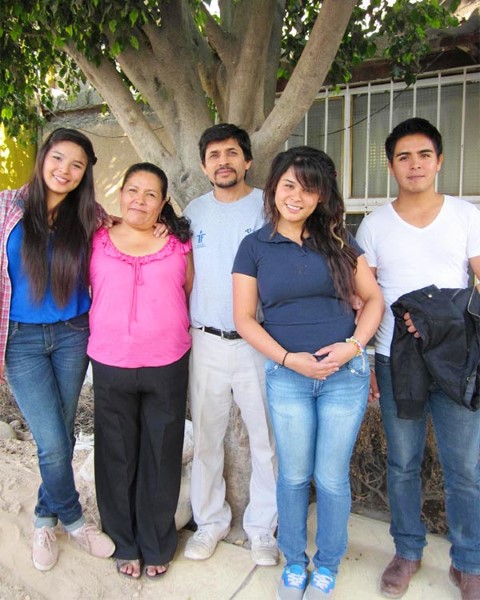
(436, 79)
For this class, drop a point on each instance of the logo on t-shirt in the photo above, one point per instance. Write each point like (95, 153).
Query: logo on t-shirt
(249, 230)
(199, 238)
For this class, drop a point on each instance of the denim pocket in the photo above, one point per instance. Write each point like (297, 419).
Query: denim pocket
(271, 366)
(13, 327)
(80, 323)
(359, 365)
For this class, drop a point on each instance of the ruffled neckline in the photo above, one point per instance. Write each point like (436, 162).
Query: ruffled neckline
(113, 251)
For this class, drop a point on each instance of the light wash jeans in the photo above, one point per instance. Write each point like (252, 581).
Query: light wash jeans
(457, 432)
(315, 425)
(45, 368)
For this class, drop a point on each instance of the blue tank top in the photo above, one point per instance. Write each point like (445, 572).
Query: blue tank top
(24, 308)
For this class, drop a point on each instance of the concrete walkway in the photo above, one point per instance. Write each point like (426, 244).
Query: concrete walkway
(230, 573)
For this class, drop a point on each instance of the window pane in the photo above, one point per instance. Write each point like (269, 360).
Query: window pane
(377, 160)
(298, 136)
(375, 154)
(316, 131)
(352, 222)
(427, 104)
(359, 136)
(451, 130)
(471, 171)
(316, 125)
(335, 135)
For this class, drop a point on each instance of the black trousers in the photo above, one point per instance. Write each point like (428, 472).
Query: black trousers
(139, 428)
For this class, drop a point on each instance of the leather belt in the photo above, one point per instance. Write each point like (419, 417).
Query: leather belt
(225, 335)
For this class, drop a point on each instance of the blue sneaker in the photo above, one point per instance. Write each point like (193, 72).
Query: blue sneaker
(293, 583)
(322, 583)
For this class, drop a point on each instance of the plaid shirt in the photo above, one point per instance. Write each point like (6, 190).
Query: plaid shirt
(11, 212)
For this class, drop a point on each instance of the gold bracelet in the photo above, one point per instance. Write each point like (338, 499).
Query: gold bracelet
(354, 340)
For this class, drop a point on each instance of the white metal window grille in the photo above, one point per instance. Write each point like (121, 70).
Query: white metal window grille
(351, 126)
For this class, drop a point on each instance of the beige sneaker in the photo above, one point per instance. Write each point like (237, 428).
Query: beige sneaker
(202, 544)
(264, 550)
(94, 541)
(45, 549)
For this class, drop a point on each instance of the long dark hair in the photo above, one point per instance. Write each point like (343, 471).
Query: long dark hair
(178, 226)
(316, 172)
(73, 225)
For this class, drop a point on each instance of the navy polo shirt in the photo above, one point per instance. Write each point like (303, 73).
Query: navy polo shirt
(301, 308)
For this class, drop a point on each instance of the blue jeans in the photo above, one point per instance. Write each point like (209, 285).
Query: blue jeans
(45, 368)
(457, 431)
(315, 425)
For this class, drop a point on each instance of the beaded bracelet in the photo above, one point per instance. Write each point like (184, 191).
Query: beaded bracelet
(356, 341)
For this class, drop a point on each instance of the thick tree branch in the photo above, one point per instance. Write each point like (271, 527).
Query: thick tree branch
(128, 113)
(308, 76)
(273, 56)
(217, 38)
(247, 73)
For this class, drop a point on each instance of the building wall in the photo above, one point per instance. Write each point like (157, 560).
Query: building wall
(112, 148)
(16, 162)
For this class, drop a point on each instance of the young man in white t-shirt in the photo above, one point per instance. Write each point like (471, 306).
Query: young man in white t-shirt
(422, 238)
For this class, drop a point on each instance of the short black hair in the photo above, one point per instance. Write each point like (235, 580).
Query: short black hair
(411, 127)
(225, 131)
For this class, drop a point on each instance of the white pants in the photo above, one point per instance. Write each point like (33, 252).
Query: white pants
(222, 370)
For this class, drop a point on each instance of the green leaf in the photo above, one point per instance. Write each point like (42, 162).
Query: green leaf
(16, 32)
(7, 112)
(116, 48)
(133, 16)
(134, 42)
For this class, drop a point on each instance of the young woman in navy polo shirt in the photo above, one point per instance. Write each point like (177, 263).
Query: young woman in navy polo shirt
(304, 268)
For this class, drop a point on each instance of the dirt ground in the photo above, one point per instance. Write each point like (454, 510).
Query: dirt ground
(19, 480)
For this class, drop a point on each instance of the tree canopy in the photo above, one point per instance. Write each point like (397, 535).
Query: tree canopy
(167, 68)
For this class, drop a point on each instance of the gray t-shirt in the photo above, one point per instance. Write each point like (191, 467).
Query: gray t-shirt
(218, 228)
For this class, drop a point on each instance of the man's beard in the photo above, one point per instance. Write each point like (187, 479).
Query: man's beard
(227, 184)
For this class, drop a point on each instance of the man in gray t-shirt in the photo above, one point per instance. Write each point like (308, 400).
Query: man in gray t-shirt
(223, 367)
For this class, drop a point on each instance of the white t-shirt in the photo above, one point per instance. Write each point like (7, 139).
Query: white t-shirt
(408, 258)
(218, 228)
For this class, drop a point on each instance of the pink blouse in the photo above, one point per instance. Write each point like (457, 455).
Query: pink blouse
(139, 315)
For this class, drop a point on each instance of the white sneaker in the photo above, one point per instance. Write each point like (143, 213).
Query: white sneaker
(45, 549)
(264, 550)
(202, 545)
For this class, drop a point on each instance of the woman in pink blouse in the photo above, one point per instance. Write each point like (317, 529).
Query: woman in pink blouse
(139, 346)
